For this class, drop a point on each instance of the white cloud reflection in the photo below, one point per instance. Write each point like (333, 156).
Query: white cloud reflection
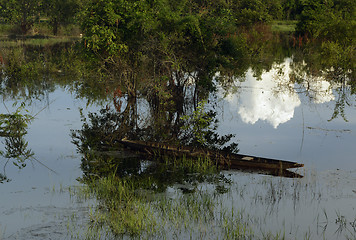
(273, 98)
(319, 90)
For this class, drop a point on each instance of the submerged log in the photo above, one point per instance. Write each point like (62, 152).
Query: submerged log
(222, 158)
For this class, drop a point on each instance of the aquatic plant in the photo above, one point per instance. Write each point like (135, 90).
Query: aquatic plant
(128, 210)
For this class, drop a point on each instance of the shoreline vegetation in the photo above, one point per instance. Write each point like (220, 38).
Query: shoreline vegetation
(41, 30)
(40, 35)
(8, 32)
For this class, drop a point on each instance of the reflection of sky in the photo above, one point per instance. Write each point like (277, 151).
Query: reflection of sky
(319, 90)
(273, 97)
(273, 118)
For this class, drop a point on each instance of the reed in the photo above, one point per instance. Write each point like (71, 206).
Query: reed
(202, 165)
(123, 212)
(125, 208)
(128, 208)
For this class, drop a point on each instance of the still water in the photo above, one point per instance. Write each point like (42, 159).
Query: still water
(270, 117)
(35, 204)
(291, 121)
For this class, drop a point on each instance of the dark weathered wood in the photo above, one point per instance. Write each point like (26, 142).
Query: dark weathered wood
(220, 157)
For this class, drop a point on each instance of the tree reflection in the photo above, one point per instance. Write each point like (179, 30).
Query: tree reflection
(99, 141)
(274, 95)
(13, 128)
(327, 69)
(341, 102)
(173, 89)
(164, 107)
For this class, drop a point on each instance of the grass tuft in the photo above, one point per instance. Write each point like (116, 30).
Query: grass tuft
(283, 26)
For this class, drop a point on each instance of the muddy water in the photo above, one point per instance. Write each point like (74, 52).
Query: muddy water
(270, 118)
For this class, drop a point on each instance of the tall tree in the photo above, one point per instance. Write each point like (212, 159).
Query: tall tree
(170, 40)
(22, 12)
(60, 12)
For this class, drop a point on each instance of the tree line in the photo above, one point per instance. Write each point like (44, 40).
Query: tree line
(316, 18)
(152, 42)
(25, 13)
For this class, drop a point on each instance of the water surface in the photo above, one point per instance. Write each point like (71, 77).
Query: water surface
(270, 116)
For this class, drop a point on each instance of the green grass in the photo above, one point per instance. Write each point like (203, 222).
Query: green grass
(5, 29)
(129, 207)
(35, 41)
(284, 26)
(128, 211)
(125, 208)
(40, 34)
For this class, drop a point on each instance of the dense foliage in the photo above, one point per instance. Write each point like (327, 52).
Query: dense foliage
(164, 37)
(111, 25)
(25, 13)
(332, 20)
(163, 46)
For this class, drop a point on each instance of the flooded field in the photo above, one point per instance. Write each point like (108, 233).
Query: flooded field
(311, 120)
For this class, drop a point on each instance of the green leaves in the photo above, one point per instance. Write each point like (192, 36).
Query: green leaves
(117, 27)
(332, 19)
(198, 124)
(22, 12)
(199, 130)
(60, 12)
(158, 39)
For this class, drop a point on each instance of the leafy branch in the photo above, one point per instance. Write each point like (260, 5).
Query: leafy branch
(199, 130)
